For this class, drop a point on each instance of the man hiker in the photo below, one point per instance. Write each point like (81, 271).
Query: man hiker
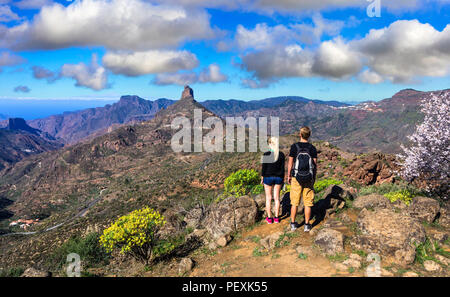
(302, 169)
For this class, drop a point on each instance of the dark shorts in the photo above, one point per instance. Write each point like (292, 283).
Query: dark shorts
(272, 180)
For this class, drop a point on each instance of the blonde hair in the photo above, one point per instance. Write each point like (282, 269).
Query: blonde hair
(305, 132)
(274, 145)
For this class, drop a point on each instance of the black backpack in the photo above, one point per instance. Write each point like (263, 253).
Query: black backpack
(303, 169)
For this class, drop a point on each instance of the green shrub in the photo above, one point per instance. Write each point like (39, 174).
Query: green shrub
(12, 272)
(88, 248)
(386, 188)
(322, 184)
(403, 195)
(258, 189)
(241, 182)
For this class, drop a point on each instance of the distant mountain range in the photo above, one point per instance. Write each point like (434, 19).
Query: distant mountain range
(373, 126)
(71, 127)
(369, 126)
(18, 140)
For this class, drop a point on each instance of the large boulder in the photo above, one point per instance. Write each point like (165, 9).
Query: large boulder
(372, 201)
(424, 209)
(390, 233)
(444, 215)
(194, 217)
(330, 241)
(230, 215)
(33, 272)
(335, 198)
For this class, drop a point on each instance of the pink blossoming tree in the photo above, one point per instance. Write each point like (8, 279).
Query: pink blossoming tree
(428, 156)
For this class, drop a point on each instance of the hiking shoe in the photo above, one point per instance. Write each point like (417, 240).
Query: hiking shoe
(294, 226)
(308, 227)
(276, 220)
(269, 220)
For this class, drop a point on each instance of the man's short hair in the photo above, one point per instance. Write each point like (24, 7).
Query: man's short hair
(305, 132)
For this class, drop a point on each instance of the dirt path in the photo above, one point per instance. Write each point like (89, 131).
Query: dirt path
(243, 258)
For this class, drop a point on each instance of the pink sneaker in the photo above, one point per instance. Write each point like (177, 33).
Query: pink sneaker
(269, 220)
(276, 220)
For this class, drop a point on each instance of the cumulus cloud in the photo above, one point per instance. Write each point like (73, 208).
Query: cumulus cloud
(298, 6)
(401, 52)
(7, 15)
(405, 50)
(115, 24)
(263, 36)
(91, 76)
(8, 59)
(43, 73)
(32, 4)
(23, 89)
(212, 74)
(175, 79)
(140, 63)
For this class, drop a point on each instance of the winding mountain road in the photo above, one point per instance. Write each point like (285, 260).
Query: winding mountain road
(79, 214)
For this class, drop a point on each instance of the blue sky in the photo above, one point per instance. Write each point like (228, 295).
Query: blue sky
(249, 49)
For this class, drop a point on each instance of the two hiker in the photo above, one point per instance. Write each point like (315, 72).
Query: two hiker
(302, 165)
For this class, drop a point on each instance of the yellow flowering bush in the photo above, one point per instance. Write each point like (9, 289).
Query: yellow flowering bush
(135, 234)
(402, 195)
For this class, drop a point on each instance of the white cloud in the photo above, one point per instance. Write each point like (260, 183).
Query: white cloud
(370, 77)
(115, 24)
(300, 6)
(91, 76)
(7, 15)
(311, 34)
(176, 79)
(212, 74)
(8, 59)
(405, 50)
(43, 73)
(140, 63)
(32, 4)
(261, 37)
(335, 59)
(401, 52)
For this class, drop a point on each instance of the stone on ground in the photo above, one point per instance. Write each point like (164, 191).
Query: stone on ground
(230, 215)
(374, 201)
(431, 266)
(387, 232)
(186, 265)
(330, 241)
(424, 209)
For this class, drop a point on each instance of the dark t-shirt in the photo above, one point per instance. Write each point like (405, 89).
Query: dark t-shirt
(312, 152)
(275, 168)
(312, 149)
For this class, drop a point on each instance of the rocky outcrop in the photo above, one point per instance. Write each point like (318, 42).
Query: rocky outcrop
(230, 215)
(330, 241)
(444, 215)
(185, 265)
(335, 198)
(372, 169)
(424, 209)
(33, 272)
(388, 232)
(269, 242)
(373, 201)
(187, 93)
(194, 216)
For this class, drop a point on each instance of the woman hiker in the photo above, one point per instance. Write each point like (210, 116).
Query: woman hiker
(272, 177)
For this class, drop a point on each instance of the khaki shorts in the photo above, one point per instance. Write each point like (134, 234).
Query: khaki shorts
(298, 191)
